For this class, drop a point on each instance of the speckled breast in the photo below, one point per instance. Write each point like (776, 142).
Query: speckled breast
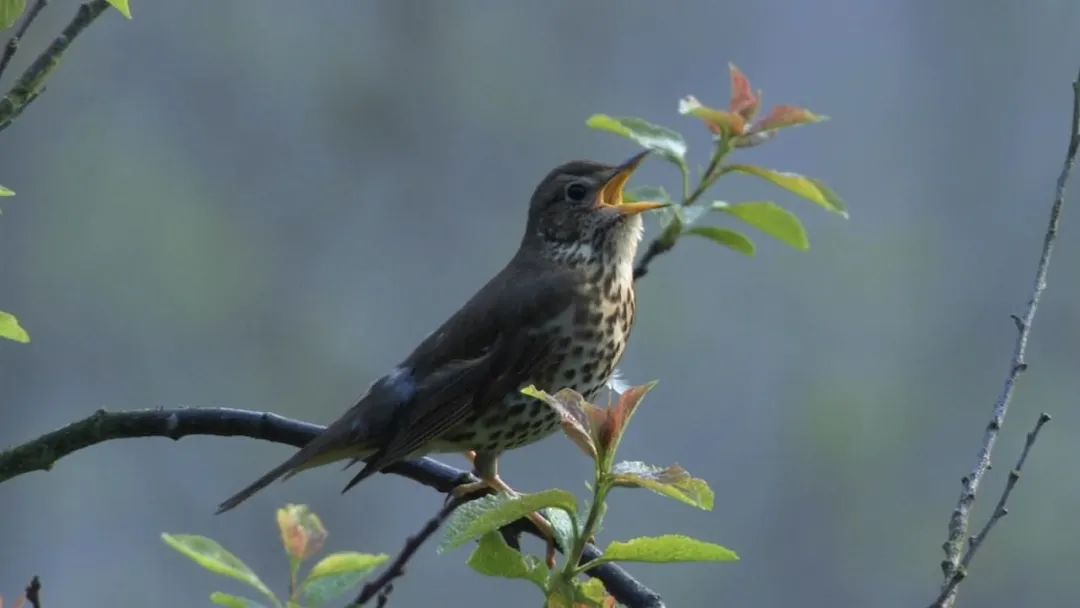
(588, 342)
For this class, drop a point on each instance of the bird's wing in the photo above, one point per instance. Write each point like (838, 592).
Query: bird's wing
(478, 355)
(498, 329)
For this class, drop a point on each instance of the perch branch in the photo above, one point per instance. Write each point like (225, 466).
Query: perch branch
(42, 453)
(955, 561)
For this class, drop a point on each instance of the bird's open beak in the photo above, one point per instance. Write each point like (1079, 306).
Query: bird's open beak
(611, 195)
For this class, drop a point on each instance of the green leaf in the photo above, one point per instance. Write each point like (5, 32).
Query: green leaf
(10, 10)
(563, 526)
(647, 135)
(10, 328)
(728, 238)
(337, 573)
(122, 6)
(4, 191)
(476, 518)
(673, 482)
(770, 218)
(670, 548)
(807, 187)
(591, 591)
(210, 555)
(233, 601)
(493, 557)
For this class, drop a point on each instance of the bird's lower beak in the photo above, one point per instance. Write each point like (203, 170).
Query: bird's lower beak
(611, 195)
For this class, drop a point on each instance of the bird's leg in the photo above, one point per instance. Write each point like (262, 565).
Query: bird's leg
(486, 467)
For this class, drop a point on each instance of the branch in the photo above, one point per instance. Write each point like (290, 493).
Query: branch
(28, 85)
(42, 453)
(32, 592)
(1000, 511)
(956, 561)
(382, 586)
(13, 44)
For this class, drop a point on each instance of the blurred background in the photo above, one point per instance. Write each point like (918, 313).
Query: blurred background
(233, 204)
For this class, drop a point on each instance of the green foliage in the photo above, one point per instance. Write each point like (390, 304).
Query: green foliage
(493, 557)
(122, 6)
(10, 328)
(210, 555)
(770, 218)
(10, 11)
(668, 143)
(807, 187)
(728, 238)
(672, 481)
(337, 573)
(735, 127)
(478, 517)
(302, 535)
(598, 431)
(4, 191)
(670, 548)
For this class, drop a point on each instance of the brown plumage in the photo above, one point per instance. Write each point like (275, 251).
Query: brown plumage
(557, 315)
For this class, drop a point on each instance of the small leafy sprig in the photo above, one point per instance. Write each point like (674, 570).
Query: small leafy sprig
(598, 432)
(303, 535)
(732, 129)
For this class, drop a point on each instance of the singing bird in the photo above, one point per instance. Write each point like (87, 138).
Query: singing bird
(557, 315)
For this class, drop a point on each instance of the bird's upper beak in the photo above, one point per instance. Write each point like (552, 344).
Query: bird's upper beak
(611, 194)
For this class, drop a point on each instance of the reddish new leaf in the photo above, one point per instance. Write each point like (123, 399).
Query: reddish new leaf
(728, 124)
(786, 116)
(744, 101)
(618, 416)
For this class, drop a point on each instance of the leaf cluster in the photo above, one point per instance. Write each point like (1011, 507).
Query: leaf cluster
(732, 129)
(598, 431)
(302, 535)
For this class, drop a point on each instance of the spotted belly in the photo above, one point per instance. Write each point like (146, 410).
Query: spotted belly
(586, 347)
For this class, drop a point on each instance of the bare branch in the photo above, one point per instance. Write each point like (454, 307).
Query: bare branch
(13, 44)
(954, 565)
(381, 586)
(42, 453)
(27, 87)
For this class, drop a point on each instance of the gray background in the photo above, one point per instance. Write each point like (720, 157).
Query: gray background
(266, 205)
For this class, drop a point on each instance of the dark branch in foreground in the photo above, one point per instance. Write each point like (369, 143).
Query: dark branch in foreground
(42, 453)
(956, 561)
(33, 592)
(381, 586)
(28, 85)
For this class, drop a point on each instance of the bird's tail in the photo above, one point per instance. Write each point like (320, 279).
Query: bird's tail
(331, 445)
(259, 484)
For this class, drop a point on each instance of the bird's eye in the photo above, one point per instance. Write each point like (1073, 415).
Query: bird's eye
(576, 192)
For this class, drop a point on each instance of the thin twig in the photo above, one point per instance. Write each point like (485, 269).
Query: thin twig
(33, 592)
(1000, 511)
(33, 78)
(42, 453)
(381, 585)
(959, 523)
(13, 44)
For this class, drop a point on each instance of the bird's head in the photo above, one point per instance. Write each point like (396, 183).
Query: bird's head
(577, 215)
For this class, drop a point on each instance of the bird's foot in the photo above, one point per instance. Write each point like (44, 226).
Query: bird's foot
(495, 483)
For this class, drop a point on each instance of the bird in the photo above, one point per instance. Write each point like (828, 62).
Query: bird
(558, 315)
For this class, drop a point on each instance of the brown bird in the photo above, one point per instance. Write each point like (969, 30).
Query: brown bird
(557, 315)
